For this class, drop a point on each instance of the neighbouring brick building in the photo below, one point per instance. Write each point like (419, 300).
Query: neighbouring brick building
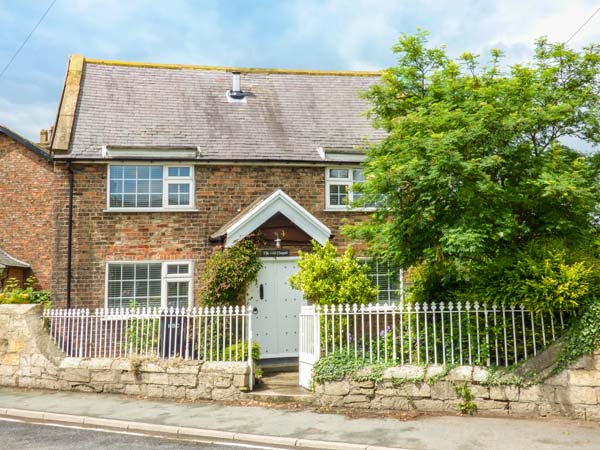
(156, 166)
(27, 210)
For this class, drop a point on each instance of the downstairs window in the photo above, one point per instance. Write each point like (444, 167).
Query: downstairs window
(149, 284)
(388, 279)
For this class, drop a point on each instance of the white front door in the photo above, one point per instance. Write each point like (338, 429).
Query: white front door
(277, 308)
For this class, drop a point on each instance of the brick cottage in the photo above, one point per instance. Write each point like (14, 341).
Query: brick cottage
(150, 168)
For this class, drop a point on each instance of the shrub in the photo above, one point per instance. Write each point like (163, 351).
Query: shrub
(242, 352)
(326, 278)
(14, 294)
(142, 334)
(228, 273)
(544, 277)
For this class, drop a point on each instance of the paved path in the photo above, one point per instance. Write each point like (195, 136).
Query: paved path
(25, 436)
(431, 433)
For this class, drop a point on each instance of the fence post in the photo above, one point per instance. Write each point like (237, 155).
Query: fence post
(317, 333)
(250, 361)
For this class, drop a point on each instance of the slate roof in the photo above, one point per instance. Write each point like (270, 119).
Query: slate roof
(7, 260)
(287, 116)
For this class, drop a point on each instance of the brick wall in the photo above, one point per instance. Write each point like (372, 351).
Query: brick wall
(27, 208)
(221, 192)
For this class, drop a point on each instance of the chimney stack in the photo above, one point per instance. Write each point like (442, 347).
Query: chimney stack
(44, 137)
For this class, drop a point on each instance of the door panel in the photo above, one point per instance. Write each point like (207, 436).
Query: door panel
(275, 323)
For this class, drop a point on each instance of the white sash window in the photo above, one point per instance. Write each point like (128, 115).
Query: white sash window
(150, 187)
(149, 284)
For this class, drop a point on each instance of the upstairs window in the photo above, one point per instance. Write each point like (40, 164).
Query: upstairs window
(150, 187)
(339, 182)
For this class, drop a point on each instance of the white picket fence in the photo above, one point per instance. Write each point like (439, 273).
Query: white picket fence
(432, 333)
(208, 334)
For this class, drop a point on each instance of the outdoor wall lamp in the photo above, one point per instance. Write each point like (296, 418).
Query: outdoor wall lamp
(279, 238)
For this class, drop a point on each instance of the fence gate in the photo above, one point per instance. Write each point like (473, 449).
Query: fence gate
(310, 344)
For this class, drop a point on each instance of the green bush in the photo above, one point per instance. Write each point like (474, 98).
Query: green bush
(242, 352)
(228, 273)
(545, 277)
(326, 278)
(14, 294)
(142, 333)
(434, 282)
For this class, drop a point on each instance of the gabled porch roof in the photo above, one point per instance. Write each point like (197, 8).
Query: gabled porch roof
(262, 209)
(7, 260)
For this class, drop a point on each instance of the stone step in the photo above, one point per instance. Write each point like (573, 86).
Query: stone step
(280, 396)
(279, 368)
(281, 379)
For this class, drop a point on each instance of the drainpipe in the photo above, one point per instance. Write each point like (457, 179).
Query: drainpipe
(70, 232)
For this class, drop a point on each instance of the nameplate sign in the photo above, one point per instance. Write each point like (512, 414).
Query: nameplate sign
(275, 252)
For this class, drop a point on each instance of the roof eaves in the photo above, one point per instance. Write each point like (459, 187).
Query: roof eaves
(25, 143)
(100, 159)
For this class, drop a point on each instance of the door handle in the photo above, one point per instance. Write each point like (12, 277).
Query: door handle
(261, 292)
(255, 310)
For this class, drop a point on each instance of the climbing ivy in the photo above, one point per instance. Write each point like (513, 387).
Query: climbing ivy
(339, 365)
(228, 273)
(581, 338)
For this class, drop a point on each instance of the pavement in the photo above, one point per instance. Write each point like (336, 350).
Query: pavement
(300, 428)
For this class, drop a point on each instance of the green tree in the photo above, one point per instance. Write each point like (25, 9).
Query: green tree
(475, 166)
(326, 278)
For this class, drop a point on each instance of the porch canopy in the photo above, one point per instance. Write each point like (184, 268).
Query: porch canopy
(263, 209)
(7, 260)
(11, 267)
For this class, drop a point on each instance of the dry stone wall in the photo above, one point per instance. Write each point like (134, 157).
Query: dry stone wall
(29, 359)
(573, 393)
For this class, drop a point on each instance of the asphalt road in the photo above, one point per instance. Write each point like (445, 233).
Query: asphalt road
(31, 436)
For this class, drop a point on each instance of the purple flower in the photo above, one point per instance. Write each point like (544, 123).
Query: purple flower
(382, 333)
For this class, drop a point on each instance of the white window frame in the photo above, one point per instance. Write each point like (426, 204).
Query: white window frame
(366, 260)
(165, 278)
(177, 277)
(191, 180)
(349, 182)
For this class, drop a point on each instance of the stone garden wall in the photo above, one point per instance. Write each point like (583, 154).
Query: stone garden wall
(573, 393)
(29, 359)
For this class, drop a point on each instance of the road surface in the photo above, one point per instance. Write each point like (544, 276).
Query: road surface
(16, 435)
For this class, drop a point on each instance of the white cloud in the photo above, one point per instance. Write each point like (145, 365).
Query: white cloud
(27, 118)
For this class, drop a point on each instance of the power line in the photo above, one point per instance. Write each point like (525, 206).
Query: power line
(27, 38)
(583, 25)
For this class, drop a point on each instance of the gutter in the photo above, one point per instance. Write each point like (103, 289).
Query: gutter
(214, 162)
(70, 232)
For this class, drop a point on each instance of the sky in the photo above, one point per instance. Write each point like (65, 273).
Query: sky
(298, 34)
